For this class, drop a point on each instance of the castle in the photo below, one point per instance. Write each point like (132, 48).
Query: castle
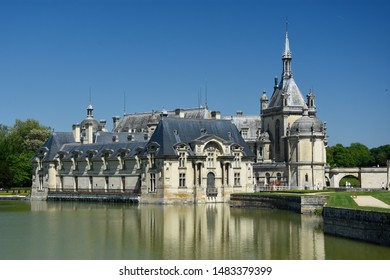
(190, 155)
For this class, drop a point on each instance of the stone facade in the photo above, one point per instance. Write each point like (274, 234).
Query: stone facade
(193, 161)
(182, 160)
(290, 145)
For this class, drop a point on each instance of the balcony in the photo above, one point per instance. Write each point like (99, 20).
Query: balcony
(212, 192)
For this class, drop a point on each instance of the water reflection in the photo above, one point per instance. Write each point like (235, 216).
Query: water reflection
(58, 230)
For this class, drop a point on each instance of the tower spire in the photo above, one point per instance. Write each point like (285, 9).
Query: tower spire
(286, 57)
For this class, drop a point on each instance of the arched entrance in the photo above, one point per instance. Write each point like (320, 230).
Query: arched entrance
(211, 190)
(350, 181)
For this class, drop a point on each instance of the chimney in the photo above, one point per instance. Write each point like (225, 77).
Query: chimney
(76, 132)
(115, 121)
(102, 126)
(216, 115)
(89, 132)
(179, 113)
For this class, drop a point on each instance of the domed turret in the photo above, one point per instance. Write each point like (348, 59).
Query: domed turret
(307, 125)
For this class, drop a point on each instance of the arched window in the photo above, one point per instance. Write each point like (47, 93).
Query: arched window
(277, 136)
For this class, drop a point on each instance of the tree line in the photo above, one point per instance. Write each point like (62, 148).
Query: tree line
(18, 145)
(357, 155)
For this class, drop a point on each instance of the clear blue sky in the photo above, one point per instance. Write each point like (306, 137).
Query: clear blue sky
(162, 53)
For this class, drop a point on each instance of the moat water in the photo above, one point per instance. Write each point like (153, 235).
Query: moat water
(93, 231)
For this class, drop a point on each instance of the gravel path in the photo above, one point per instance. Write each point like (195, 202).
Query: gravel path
(369, 201)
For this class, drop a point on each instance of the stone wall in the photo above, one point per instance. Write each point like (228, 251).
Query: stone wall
(305, 204)
(362, 225)
(95, 197)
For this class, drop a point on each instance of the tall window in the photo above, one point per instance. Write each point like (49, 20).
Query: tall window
(210, 159)
(152, 160)
(106, 182)
(122, 160)
(237, 179)
(182, 180)
(182, 159)
(236, 162)
(61, 183)
(123, 181)
(105, 161)
(152, 182)
(90, 182)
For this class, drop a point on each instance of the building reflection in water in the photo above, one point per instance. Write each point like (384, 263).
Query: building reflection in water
(215, 231)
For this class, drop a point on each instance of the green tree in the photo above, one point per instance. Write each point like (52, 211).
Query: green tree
(341, 156)
(381, 155)
(18, 145)
(361, 155)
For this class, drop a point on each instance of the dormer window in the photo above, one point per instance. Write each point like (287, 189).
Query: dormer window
(152, 151)
(90, 155)
(244, 133)
(75, 157)
(105, 156)
(60, 159)
(121, 156)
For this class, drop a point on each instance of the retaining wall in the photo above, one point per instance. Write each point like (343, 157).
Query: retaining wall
(369, 226)
(98, 197)
(305, 204)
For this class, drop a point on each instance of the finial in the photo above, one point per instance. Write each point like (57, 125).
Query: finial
(286, 25)
(90, 96)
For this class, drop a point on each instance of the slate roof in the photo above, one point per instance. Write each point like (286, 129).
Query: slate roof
(251, 123)
(294, 99)
(55, 142)
(132, 147)
(64, 141)
(172, 131)
(140, 121)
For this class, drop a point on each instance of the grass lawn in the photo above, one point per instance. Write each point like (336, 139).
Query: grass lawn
(24, 191)
(345, 200)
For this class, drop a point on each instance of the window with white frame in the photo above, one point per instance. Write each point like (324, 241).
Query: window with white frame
(244, 133)
(237, 160)
(237, 179)
(182, 180)
(210, 159)
(182, 159)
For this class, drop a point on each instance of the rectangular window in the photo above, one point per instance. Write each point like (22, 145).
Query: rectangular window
(106, 183)
(182, 159)
(237, 179)
(182, 180)
(123, 181)
(210, 160)
(152, 183)
(236, 163)
(90, 182)
(152, 160)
